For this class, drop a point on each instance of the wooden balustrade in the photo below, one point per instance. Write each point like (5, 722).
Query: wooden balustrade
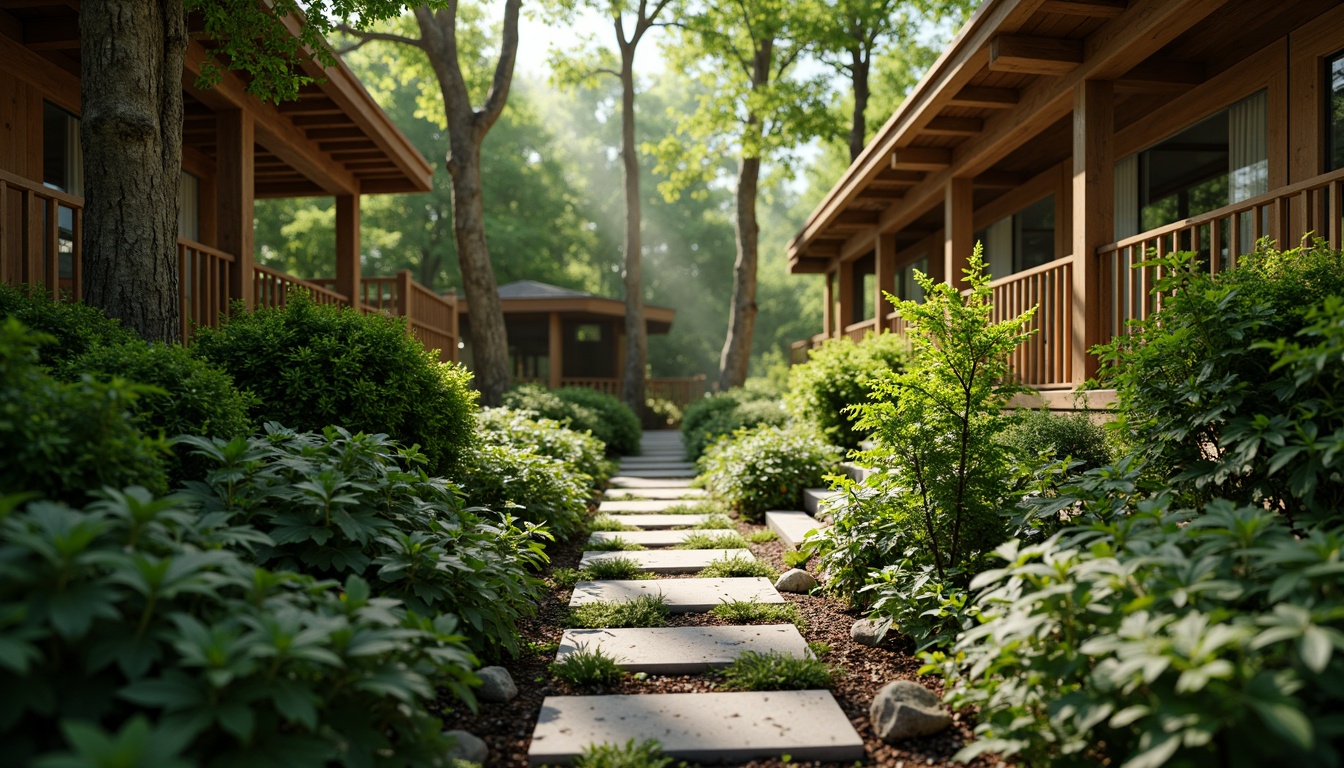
(857, 331)
(40, 237)
(203, 285)
(679, 391)
(1041, 361)
(431, 317)
(271, 288)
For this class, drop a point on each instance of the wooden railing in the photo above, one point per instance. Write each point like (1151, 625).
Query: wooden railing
(32, 241)
(857, 331)
(203, 285)
(680, 391)
(1043, 360)
(271, 288)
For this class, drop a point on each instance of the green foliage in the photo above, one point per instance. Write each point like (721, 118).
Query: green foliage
(616, 424)
(582, 452)
(615, 544)
(643, 611)
(763, 536)
(137, 631)
(315, 366)
(1073, 436)
(608, 523)
(774, 671)
(796, 558)
(566, 578)
(728, 540)
(838, 375)
(755, 612)
(188, 396)
(337, 505)
(587, 667)
(717, 415)
(733, 567)
(766, 468)
(708, 507)
(646, 754)
(71, 328)
(1155, 636)
(1203, 393)
(613, 568)
(914, 601)
(715, 523)
(538, 489)
(64, 439)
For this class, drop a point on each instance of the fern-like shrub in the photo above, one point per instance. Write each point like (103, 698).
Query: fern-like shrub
(838, 375)
(524, 430)
(766, 468)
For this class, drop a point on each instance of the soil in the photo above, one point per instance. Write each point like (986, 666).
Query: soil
(507, 728)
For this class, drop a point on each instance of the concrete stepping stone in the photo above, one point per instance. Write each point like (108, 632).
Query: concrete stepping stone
(856, 473)
(817, 501)
(660, 521)
(683, 650)
(643, 505)
(628, 481)
(663, 538)
(656, 493)
(659, 474)
(669, 560)
(682, 595)
(730, 727)
(791, 525)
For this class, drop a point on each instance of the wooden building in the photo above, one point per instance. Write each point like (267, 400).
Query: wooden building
(1073, 136)
(566, 338)
(333, 141)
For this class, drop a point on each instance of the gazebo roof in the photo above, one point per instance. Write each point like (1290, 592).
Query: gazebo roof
(526, 297)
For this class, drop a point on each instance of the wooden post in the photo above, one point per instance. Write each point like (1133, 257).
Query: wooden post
(405, 302)
(1093, 215)
(618, 330)
(828, 306)
(845, 293)
(958, 231)
(557, 350)
(347, 250)
(884, 259)
(236, 186)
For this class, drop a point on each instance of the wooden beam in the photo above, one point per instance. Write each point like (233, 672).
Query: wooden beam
(828, 304)
(884, 277)
(809, 266)
(857, 218)
(556, 350)
(885, 195)
(893, 176)
(58, 33)
(1000, 180)
(1163, 76)
(984, 98)
(336, 146)
(14, 5)
(825, 248)
(1103, 9)
(236, 186)
(1093, 215)
(56, 85)
(309, 107)
(844, 290)
(1034, 55)
(300, 188)
(958, 230)
(348, 247)
(921, 159)
(351, 132)
(954, 126)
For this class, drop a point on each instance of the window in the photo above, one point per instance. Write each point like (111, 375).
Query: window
(906, 287)
(1021, 241)
(62, 169)
(1334, 111)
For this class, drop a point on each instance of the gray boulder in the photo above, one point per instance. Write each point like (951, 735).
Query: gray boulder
(796, 580)
(905, 710)
(496, 685)
(467, 747)
(867, 632)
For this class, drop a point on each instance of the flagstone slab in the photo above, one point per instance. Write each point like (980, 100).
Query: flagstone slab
(818, 501)
(660, 521)
(656, 493)
(682, 595)
(629, 481)
(663, 538)
(669, 560)
(683, 650)
(727, 727)
(642, 505)
(791, 525)
(661, 474)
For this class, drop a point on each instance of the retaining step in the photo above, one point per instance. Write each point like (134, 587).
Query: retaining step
(791, 525)
(855, 472)
(650, 474)
(663, 538)
(682, 595)
(643, 505)
(656, 493)
(669, 560)
(817, 501)
(660, 521)
(632, 481)
(699, 727)
(683, 650)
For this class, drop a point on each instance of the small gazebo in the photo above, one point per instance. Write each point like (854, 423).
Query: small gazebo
(562, 337)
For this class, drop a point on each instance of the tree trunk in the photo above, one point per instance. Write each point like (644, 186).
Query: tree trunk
(736, 357)
(636, 338)
(131, 130)
(858, 129)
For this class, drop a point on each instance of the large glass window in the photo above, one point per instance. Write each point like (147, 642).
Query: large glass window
(1021, 241)
(1334, 110)
(62, 169)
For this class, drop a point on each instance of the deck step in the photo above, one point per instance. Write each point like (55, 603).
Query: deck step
(791, 525)
(817, 501)
(700, 727)
(683, 650)
(642, 506)
(650, 521)
(682, 595)
(654, 538)
(669, 560)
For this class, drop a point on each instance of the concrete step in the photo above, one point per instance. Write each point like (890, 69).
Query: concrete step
(855, 472)
(683, 650)
(659, 474)
(663, 538)
(656, 493)
(682, 595)
(700, 727)
(791, 525)
(669, 560)
(628, 481)
(660, 521)
(818, 500)
(642, 505)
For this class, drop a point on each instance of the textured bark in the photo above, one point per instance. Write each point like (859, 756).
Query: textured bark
(131, 130)
(636, 332)
(467, 128)
(858, 128)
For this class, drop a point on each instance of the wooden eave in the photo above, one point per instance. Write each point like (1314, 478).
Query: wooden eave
(656, 319)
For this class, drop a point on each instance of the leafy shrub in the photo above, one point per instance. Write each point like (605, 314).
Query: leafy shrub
(774, 671)
(755, 612)
(715, 416)
(617, 425)
(141, 622)
(766, 468)
(1157, 636)
(1073, 436)
(840, 374)
(646, 754)
(643, 611)
(538, 489)
(315, 366)
(336, 505)
(926, 609)
(609, 523)
(698, 540)
(737, 567)
(64, 439)
(587, 667)
(73, 328)
(189, 395)
(546, 437)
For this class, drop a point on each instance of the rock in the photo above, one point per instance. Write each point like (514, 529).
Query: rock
(866, 632)
(496, 685)
(796, 580)
(905, 709)
(467, 747)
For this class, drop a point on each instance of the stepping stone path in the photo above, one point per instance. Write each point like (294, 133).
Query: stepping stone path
(791, 525)
(700, 727)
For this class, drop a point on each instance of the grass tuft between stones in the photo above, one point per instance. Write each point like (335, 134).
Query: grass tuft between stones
(647, 754)
(643, 611)
(701, 540)
(613, 568)
(715, 522)
(587, 667)
(608, 523)
(762, 536)
(737, 567)
(615, 544)
(774, 671)
(755, 612)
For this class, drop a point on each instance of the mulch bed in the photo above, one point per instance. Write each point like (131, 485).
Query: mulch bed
(507, 728)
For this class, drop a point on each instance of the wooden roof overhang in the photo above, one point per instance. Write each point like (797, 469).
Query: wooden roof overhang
(333, 140)
(995, 106)
(657, 320)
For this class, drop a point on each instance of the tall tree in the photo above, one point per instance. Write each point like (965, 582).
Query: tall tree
(131, 62)
(631, 22)
(753, 105)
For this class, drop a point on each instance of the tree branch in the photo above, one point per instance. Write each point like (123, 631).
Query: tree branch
(499, 87)
(369, 37)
